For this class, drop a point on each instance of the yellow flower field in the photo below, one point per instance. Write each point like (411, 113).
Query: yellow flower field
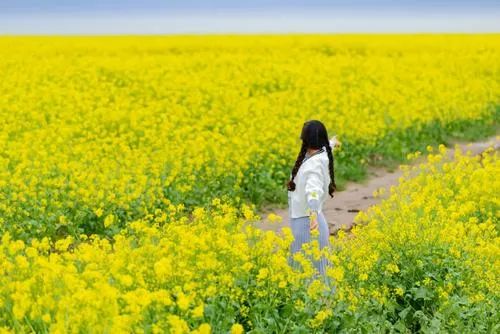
(98, 131)
(130, 168)
(421, 262)
(429, 254)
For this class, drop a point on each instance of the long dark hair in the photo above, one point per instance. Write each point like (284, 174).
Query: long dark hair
(315, 136)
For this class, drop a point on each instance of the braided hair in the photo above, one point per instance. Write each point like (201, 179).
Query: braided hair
(332, 187)
(314, 135)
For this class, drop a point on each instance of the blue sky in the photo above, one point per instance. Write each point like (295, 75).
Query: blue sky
(256, 16)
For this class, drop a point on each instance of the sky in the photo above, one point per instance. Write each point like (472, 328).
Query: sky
(256, 16)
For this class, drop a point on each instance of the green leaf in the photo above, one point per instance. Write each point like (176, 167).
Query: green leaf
(422, 293)
(404, 312)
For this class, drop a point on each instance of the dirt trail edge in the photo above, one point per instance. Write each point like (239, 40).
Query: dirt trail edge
(344, 206)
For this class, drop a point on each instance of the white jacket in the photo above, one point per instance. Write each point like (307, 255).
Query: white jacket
(311, 182)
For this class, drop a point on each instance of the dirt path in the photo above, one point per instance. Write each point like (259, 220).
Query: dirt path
(343, 207)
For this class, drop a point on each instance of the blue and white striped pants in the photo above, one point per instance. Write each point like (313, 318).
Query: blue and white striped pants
(302, 234)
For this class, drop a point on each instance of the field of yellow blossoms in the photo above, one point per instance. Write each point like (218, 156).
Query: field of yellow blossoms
(129, 167)
(426, 259)
(122, 126)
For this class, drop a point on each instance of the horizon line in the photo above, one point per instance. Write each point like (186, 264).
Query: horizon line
(235, 34)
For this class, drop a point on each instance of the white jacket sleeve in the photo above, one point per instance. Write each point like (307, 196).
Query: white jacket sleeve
(313, 183)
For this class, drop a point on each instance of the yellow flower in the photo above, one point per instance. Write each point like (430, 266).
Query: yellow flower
(392, 268)
(319, 318)
(398, 291)
(183, 301)
(198, 311)
(109, 220)
(62, 220)
(177, 324)
(99, 212)
(263, 273)
(337, 273)
(204, 329)
(272, 217)
(46, 318)
(237, 329)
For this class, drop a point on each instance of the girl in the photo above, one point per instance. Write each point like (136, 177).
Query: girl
(311, 180)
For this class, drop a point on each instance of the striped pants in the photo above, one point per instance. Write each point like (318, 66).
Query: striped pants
(302, 234)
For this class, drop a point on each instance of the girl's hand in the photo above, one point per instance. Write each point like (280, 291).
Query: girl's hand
(334, 142)
(313, 221)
